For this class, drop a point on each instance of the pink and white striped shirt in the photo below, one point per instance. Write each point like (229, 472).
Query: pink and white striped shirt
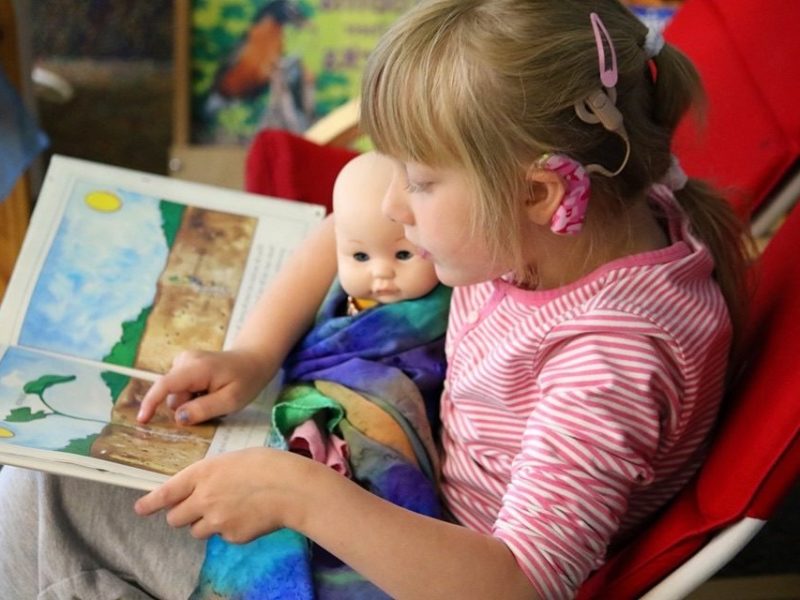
(570, 415)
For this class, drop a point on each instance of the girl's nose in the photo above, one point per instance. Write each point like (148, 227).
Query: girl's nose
(395, 201)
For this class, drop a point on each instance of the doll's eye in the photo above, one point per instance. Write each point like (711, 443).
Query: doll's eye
(361, 256)
(403, 255)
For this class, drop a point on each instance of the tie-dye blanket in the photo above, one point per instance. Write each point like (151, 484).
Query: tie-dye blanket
(373, 379)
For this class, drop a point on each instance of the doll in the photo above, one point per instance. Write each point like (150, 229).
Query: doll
(376, 263)
(376, 266)
(383, 318)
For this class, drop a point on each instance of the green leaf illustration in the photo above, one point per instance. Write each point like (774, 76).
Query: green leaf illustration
(38, 386)
(81, 446)
(24, 415)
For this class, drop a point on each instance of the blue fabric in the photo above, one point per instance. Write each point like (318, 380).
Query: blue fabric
(20, 139)
(391, 357)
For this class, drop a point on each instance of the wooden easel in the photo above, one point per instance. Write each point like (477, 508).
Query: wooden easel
(15, 210)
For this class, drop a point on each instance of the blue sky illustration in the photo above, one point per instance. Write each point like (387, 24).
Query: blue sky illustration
(87, 396)
(101, 270)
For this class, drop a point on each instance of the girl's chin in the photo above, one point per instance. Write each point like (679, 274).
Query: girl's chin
(455, 277)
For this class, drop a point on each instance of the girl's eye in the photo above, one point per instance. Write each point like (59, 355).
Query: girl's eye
(361, 256)
(404, 255)
(415, 188)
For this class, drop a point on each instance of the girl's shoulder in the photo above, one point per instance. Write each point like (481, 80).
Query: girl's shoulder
(668, 294)
(676, 303)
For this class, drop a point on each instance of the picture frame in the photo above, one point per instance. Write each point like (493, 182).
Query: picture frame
(245, 65)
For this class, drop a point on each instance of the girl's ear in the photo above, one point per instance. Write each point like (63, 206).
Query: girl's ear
(545, 192)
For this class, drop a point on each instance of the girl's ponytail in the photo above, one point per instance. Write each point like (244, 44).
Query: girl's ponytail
(678, 88)
(713, 219)
(723, 232)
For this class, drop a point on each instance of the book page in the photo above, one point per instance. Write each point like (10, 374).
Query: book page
(120, 271)
(127, 268)
(77, 418)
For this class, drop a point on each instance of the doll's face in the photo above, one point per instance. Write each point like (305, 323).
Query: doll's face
(375, 260)
(378, 263)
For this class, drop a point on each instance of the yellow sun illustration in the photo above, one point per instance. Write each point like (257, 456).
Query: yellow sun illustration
(6, 433)
(103, 201)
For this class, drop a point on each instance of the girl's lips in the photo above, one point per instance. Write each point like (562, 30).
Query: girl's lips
(423, 253)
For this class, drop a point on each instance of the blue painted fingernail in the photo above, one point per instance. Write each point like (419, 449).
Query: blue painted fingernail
(183, 417)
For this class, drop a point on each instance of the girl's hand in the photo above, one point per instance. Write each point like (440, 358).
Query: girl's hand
(203, 385)
(238, 495)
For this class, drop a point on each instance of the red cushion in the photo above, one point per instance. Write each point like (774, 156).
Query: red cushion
(755, 456)
(285, 165)
(746, 53)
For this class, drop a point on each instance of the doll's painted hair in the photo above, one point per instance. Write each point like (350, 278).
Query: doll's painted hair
(490, 85)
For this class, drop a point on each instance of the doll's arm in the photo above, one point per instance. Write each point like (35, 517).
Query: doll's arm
(203, 385)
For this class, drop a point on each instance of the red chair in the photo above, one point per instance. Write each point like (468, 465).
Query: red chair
(746, 52)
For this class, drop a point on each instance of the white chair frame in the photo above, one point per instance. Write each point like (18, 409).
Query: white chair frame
(707, 561)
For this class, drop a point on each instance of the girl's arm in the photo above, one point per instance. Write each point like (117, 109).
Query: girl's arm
(203, 385)
(405, 554)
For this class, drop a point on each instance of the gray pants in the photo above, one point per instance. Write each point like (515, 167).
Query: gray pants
(64, 538)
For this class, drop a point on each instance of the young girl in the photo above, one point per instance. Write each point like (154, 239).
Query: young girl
(597, 291)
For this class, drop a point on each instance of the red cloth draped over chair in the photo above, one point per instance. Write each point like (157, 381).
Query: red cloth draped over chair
(285, 165)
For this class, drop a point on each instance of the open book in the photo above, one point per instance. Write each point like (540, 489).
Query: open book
(119, 272)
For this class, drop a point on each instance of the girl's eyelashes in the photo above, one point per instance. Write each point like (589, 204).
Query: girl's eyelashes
(360, 256)
(419, 178)
(415, 188)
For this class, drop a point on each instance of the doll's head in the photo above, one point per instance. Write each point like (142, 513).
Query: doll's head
(375, 260)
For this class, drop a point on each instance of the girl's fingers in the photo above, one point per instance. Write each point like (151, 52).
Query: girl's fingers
(177, 399)
(181, 382)
(183, 514)
(206, 407)
(201, 530)
(152, 398)
(167, 495)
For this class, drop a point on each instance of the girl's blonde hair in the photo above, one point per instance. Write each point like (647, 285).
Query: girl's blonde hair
(490, 85)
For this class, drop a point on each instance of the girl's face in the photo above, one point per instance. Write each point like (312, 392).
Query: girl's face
(435, 207)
